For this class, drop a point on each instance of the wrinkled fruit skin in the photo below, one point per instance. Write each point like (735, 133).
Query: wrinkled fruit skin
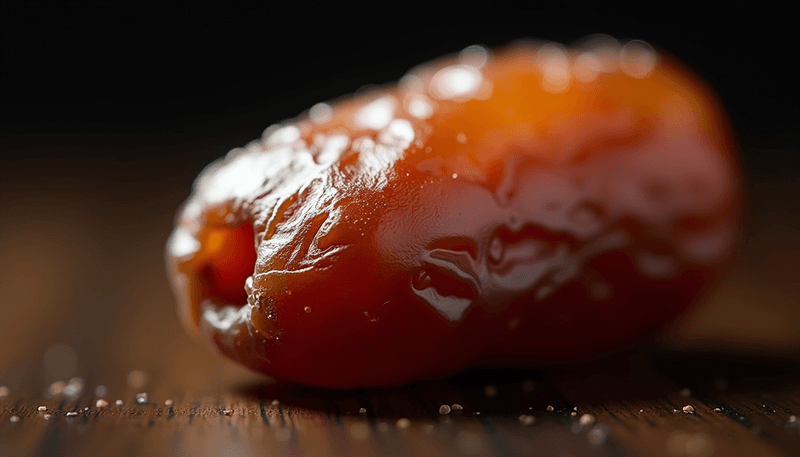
(538, 205)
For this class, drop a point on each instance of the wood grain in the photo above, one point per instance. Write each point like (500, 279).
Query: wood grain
(633, 405)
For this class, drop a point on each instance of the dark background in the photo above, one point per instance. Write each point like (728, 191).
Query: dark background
(110, 109)
(135, 65)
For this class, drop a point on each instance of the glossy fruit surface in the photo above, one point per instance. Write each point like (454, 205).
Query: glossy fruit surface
(536, 205)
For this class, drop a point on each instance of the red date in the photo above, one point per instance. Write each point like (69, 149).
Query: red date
(538, 205)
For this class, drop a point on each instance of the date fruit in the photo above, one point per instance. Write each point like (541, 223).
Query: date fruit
(540, 204)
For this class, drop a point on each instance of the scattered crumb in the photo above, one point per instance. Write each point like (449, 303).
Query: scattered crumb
(14, 418)
(42, 408)
(307, 309)
(688, 409)
(47, 416)
(527, 419)
(597, 435)
(528, 385)
(573, 414)
(574, 408)
(100, 391)
(550, 408)
(86, 408)
(403, 422)
(362, 410)
(586, 419)
(359, 431)
(490, 390)
(793, 419)
(456, 407)
(476, 413)
(641, 410)
(74, 387)
(4, 391)
(71, 414)
(718, 410)
(227, 412)
(275, 403)
(685, 392)
(100, 403)
(142, 398)
(681, 443)
(56, 388)
(137, 379)
(118, 403)
(168, 402)
(444, 409)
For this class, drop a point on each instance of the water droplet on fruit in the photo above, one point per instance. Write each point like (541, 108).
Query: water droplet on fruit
(276, 135)
(399, 133)
(422, 280)
(320, 113)
(475, 55)
(496, 250)
(332, 148)
(456, 82)
(656, 266)
(544, 291)
(638, 59)
(604, 48)
(554, 64)
(183, 244)
(587, 218)
(377, 114)
(248, 285)
(586, 67)
(419, 106)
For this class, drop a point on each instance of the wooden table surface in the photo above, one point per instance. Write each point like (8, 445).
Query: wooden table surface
(637, 405)
(85, 302)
